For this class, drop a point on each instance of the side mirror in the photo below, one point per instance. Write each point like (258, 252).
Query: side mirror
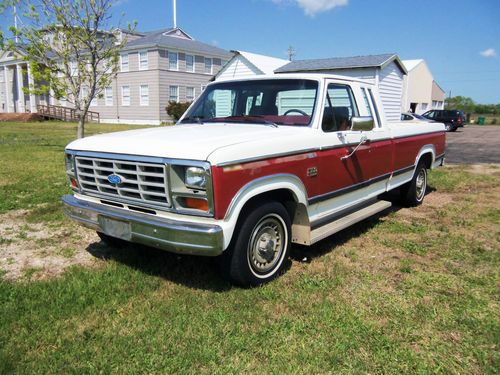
(362, 123)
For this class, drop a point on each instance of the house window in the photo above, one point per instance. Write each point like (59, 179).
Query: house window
(208, 65)
(423, 106)
(125, 95)
(143, 60)
(124, 63)
(172, 61)
(189, 63)
(108, 94)
(94, 102)
(189, 94)
(144, 94)
(174, 94)
(73, 68)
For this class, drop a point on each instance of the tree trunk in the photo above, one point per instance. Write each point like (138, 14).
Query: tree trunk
(80, 132)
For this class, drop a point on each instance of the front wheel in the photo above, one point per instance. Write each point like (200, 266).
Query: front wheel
(413, 193)
(260, 247)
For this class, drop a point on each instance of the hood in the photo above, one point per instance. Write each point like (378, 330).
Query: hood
(192, 141)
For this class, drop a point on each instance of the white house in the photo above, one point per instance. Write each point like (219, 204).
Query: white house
(422, 93)
(385, 71)
(245, 64)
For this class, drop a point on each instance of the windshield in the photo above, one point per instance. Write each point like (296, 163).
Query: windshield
(272, 101)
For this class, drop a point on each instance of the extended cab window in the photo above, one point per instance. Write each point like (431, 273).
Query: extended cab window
(340, 108)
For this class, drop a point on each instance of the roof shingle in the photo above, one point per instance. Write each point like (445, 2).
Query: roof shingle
(335, 63)
(158, 38)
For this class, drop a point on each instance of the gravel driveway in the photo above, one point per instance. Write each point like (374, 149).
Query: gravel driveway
(473, 144)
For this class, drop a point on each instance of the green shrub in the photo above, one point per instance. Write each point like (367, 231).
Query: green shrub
(494, 121)
(176, 110)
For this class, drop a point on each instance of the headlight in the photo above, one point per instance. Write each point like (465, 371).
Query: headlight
(196, 178)
(70, 163)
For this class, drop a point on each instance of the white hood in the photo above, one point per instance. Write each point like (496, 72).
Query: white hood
(193, 141)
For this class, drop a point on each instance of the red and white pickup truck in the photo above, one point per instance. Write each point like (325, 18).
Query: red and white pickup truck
(253, 166)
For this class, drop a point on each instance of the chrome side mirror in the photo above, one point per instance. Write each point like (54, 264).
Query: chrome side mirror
(362, 123)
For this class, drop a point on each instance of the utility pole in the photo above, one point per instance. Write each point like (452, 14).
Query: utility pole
(291, 53)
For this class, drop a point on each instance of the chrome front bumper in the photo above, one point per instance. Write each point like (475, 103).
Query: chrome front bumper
(166, 234)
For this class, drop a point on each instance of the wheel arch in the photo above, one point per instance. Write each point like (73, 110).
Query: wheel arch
(427, 154)
(287, 189)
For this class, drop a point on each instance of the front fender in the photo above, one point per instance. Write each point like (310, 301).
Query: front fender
(257, 187)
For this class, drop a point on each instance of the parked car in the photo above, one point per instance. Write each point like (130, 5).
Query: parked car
(252, 166)
(413, 117)
(451, 118)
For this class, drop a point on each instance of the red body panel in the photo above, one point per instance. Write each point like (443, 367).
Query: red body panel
(370, 161)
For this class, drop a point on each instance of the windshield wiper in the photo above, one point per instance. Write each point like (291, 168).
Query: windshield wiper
(196, 119)
(250, 118)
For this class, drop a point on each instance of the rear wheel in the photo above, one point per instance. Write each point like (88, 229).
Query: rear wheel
(413, 193)
(260, 246)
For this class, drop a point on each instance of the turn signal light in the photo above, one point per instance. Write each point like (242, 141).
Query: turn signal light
(196, 203)
(74, 183)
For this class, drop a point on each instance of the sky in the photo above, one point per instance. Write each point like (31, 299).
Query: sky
(459, 39)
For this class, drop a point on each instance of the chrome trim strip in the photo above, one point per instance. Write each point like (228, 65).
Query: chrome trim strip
(348, 189)
(167, 234)
(339, 214)
(269, 156)
(403, 170)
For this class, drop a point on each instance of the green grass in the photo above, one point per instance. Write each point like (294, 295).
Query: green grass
(32, 170)
(412, 291)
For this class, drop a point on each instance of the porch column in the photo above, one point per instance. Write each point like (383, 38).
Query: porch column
(31, 84)
(20, 93)
(7, 94)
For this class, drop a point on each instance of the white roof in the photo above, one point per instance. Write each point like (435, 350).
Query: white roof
(266, 64)
(410, 64)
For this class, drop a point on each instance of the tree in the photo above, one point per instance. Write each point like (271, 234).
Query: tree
(72, 50)
(176, 110)
(462, 103)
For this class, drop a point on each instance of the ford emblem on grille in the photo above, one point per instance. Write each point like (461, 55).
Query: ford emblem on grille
(115, 179)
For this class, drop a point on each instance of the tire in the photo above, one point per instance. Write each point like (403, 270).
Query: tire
(453, 129)
(413, 193)
(111, 241)
(260, 246)
(448, 127)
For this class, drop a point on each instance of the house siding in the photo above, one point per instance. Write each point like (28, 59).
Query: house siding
(238, 68)
(390, 87)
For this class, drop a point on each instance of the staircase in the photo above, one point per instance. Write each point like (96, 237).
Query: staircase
(65, 113)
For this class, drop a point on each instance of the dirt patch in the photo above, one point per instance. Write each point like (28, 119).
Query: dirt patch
(20, 117)
(489, 169)
(38, 250)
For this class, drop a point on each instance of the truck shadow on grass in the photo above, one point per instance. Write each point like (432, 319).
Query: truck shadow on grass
(199, 272)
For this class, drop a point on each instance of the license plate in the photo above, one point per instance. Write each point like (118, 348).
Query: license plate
(115, 228)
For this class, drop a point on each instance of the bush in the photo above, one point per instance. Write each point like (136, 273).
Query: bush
(494, 121)
(176, 110)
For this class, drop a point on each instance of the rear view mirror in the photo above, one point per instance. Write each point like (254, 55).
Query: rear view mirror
(362, 123)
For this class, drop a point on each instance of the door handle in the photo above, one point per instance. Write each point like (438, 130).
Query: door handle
(362, 141)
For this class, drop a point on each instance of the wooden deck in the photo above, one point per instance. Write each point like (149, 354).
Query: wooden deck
(65, 113)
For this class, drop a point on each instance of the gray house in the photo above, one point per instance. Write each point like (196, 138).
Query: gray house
(386, 71)
(155, 67)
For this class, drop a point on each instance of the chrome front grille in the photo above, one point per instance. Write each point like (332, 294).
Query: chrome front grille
(142, 182)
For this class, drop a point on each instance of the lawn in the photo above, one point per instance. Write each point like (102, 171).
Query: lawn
(410, 291)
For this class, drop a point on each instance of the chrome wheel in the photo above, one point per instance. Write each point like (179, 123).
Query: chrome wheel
(267, 245)
(421, 184)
